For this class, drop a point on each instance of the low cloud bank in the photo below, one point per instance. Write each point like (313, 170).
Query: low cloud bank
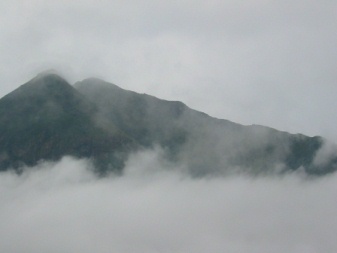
(63, 207)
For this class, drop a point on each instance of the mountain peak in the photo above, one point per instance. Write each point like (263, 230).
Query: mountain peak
(46, 118)
(94, 82)
(47, 76)
(45, 85)
(49, 72)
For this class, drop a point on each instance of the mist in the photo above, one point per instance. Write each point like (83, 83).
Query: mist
(156, 207)
(260, 62)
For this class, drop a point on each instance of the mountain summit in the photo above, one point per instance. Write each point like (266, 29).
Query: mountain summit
(47, 118)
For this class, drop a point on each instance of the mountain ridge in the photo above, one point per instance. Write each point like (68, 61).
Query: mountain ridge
(47, 118)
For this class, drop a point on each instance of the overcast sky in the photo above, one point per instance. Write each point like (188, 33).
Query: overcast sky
(253, 62)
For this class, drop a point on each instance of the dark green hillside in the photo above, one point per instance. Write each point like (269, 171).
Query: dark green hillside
(47, 118)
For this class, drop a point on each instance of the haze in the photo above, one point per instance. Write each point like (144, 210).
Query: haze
(63, 207)
(253, 62)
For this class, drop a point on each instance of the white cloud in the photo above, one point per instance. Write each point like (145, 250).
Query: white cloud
(326, 153)
(63, 208)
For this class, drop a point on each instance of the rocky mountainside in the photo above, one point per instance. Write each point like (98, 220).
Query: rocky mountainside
(47, 118)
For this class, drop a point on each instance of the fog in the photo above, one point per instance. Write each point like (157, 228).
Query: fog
(256, 62)
(253, 62)
(156, 207)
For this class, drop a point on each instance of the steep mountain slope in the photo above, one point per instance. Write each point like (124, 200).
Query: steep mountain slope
(202, 143)
(47, 118)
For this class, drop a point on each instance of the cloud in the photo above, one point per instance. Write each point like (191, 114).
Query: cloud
(325, 154)
(63, 207)
(264, 62)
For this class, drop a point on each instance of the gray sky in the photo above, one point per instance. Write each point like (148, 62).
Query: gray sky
(253, 62)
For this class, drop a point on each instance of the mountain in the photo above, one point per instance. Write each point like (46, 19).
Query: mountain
(203, 143)
(47, 118)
